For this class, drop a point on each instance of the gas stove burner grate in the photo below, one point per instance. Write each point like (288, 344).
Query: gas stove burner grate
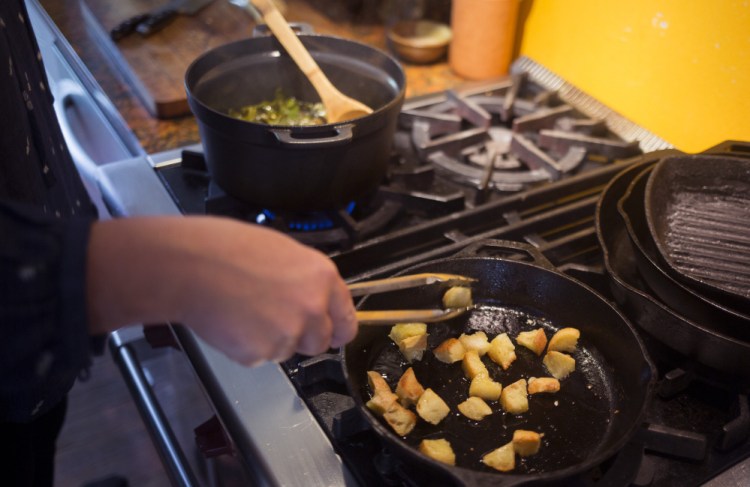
(508, 137)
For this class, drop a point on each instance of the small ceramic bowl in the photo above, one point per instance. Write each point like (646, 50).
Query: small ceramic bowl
(419, 41)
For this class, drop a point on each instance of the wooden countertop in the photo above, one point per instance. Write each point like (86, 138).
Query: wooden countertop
(331, 17)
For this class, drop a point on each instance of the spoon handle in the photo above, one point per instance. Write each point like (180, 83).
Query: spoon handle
(286, 36)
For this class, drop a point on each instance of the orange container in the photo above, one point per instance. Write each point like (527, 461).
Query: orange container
(483, 36)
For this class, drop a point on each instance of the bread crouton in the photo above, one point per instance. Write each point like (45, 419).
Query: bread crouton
(502, 459)
(457, 297)
(565, 340)
(514, 398)
(526, 443)
(474, 408)
(400, 419)
(413, 347)
(406, 330)
(472, 365)
(486, 388)
(382, 397)
(380, 403)
(534, 340)
(431, 407)
(439, 449)
(543, 384)
(560, 365)
(476, 341)
(502, 351)
(408, 388)
(450, 351)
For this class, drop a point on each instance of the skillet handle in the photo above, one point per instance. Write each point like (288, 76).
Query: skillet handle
(343, 136)
(736, 148)
(536, 255)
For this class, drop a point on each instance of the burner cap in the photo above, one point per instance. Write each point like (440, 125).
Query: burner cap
(302, 221)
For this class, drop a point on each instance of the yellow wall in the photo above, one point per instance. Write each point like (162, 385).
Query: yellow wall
(679, 68)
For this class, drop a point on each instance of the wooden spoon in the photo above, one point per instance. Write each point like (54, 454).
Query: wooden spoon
(339, 107)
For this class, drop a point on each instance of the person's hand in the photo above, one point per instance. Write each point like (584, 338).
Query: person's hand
(253, 293)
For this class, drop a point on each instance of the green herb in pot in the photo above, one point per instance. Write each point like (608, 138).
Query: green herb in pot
(282, 110)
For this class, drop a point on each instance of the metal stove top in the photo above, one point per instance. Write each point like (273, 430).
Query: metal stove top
(293, 423)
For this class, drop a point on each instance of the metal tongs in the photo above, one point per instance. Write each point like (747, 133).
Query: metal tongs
(389, 317)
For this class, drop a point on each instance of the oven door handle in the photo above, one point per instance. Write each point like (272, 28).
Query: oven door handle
(69, 96)
(164, 439)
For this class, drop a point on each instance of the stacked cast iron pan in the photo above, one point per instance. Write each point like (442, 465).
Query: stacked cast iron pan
(672, 228)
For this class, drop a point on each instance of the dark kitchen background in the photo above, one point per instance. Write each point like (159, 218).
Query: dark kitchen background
(595, 88)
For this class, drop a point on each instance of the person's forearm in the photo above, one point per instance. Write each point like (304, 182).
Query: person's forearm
(253, 292)
(127, 260)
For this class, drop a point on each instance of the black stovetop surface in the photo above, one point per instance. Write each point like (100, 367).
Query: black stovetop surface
(681, 442)
(695, 428)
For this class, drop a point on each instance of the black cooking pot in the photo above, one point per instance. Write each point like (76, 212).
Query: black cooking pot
(596, 412)
(290, 167)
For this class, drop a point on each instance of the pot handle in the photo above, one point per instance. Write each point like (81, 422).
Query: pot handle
(536, 255)
(262, 30)
(343, 135)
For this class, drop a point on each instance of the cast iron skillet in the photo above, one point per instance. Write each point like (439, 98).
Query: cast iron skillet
(685, 300)
(697, 209)
(597, 411)
(692, 340)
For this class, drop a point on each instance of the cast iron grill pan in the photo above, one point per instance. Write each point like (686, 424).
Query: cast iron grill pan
(695, 341)
(698, 211)
(672, 292)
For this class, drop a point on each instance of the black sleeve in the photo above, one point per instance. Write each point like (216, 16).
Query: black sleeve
(44, 341)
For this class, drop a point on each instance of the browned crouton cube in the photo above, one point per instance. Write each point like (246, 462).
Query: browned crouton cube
(457, 297)
(381, 402)
(406, 330)
(473, 365)
(474, 408)
(526, 442)
(502, 351)
(475, 341)
(409, 389)
(543, 384)
(431, 407)
(413, 347)
(439, 450)
(565, 340)
(400, 419)
(450, 351)
(560, 365)
(486, 388)
(382, 396)
(377, 383)
(514, 398)
(534, 340)
(502, 459)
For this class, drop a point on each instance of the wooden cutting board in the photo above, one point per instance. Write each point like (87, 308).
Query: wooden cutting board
(155, 65)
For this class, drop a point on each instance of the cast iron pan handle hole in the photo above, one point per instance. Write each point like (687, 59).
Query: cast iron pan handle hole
(731, 148)
(509, 247)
